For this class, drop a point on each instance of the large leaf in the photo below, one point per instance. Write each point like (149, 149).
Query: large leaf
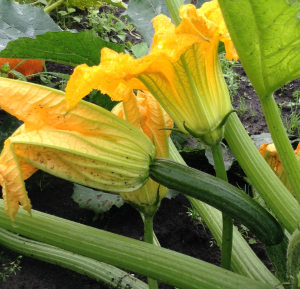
(22, 21)
(63, 47)
(140, 14)
(266, 34)
(97, 201)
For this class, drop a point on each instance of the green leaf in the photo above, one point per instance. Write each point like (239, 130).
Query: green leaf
(62, 47)
(97, 201)
(102, 100)
(266, 35)
(227, 156)
(140, 14)
(140, 49)
(22, 21)
(259, 139)
(200, 2)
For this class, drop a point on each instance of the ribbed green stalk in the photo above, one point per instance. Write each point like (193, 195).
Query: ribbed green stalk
(282, 143)
(227, 221)
(108, 274)
(293, 259)
(173, 6)
(244, 260)
(51, 7)
(261, 176)
(164, 265)
(148, 238)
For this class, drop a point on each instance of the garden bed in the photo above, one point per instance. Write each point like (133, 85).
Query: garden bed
(176, 224)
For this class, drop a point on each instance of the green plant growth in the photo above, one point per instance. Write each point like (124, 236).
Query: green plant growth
(265, 77)
(66, 16)
(232, 78)
(242, 105)
(9, 266)
(292, 121)
(50, 5)
(109, 27)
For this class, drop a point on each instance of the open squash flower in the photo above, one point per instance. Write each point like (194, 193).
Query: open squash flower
(144, 112)
(182, 71)
(87, 145)
(270, 154)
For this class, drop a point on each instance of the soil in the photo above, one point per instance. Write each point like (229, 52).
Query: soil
(173, 226)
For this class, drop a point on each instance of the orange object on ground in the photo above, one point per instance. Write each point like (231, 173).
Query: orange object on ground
(29, 66)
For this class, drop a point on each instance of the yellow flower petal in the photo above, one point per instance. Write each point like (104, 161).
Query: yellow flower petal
(92, 161)
(12, 176)
(145, 113)
(182, 71)
(88, 145)
(270, 154)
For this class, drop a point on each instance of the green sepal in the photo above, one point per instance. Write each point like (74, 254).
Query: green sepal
(213, 136)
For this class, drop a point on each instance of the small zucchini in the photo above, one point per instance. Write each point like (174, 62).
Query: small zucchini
(220, 195)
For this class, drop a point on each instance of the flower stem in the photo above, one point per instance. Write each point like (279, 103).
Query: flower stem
(108, 274)
(165, 265)
(227, 221)
(51, 7)
(282, 143)
(261, 176)
(173, 6)
(148, 238)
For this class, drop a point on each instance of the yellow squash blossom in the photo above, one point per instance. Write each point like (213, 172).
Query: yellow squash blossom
(270, 154)
(144, 112)
(87, 145)
(182, 71)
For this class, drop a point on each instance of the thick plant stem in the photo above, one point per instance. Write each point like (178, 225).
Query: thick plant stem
(219, 162)
(226, 242)
(108, 274)
(148, 238)
(282, 143)
(244, 260)
(227, 221)
(173, 6)
(261, 176)
(164, 265)
(48, 9)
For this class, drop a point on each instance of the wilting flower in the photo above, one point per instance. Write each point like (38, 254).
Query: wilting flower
(144, 112)
(182, 71)
(87, 145)
(270, 154)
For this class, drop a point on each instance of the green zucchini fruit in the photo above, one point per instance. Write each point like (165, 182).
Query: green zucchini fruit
(220, 195)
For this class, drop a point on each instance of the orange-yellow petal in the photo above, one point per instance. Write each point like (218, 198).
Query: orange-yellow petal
(13, 172)
(28, 67)
(144, 112)
(270, 154)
